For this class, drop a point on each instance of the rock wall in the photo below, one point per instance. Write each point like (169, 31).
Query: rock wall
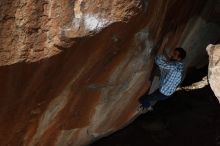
(200, 32)
(72, 71)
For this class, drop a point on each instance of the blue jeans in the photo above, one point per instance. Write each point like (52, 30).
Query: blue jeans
(153, 98)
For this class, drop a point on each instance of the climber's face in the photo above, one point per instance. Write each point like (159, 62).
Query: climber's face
(175, 55)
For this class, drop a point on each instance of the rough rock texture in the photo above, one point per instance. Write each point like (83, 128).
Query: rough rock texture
(214, 68)
(72, 70)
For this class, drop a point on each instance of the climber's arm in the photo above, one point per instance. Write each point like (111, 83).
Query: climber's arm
(163, 63)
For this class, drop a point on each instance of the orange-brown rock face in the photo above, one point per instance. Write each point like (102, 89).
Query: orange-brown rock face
(73, 70)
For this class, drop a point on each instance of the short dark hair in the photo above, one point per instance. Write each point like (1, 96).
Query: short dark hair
(182, 53)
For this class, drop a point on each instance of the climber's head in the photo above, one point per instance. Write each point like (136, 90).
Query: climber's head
(178, 54)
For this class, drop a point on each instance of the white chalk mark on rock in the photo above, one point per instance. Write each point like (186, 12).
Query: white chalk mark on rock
(90, 22)
(93, 22)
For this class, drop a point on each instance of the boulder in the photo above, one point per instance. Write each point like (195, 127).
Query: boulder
(71, 71)
(214, 68)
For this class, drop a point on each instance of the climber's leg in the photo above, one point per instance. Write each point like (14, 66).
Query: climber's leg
(152, 99)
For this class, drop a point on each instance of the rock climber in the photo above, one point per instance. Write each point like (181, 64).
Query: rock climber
(171, 75)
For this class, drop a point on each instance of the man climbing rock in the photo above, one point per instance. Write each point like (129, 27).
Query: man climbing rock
(171, 74)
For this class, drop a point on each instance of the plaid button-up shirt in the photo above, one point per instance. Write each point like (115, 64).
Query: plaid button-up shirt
(171, 73)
